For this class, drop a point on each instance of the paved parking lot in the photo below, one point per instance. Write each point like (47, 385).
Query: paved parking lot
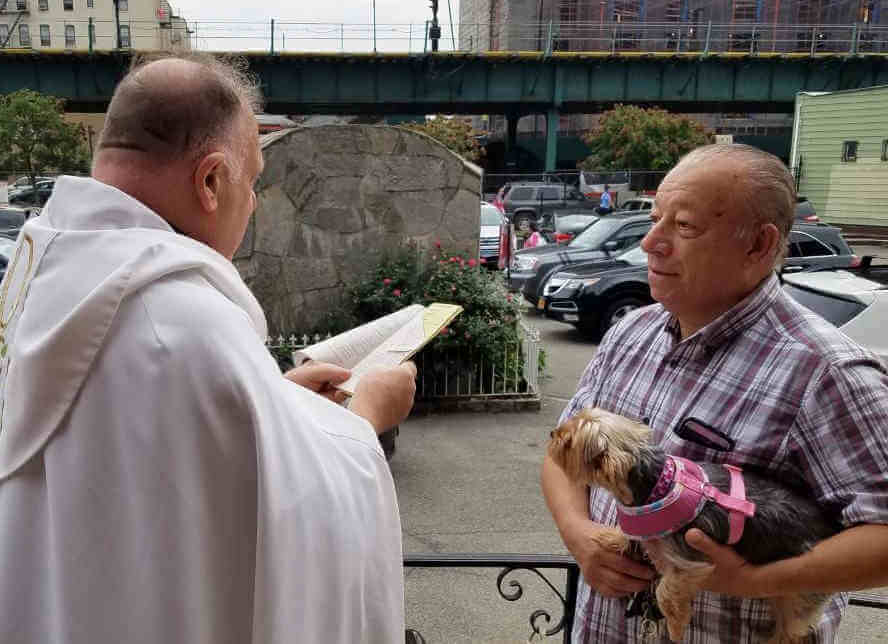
(470, 483)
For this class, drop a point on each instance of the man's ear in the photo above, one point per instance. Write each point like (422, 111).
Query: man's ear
(764, 245)
(208, 180)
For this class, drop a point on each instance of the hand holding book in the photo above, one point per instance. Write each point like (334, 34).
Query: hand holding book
(383, 343)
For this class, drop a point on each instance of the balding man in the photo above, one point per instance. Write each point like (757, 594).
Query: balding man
(160, 481)
(727, 368)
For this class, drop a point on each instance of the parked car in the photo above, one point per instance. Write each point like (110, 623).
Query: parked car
(594, 296)
(565, 226)
(856, 301)
(491, 224)
(25, 182)
(607, 237)
(638, 203)
(530, 201)
(804, 211)
(33, 195)
(7, 248)
(11, 221)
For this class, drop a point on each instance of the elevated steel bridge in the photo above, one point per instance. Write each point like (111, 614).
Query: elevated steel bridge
(511, 83)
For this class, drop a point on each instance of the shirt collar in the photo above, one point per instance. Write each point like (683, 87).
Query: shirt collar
(734, 321)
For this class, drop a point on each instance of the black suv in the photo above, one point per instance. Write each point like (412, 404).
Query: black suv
(533, 201)
(593, 296)
(603, 239)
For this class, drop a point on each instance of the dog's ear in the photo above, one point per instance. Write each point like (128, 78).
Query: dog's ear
(595, 449)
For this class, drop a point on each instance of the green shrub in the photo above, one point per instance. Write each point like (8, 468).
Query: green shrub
(410, 275)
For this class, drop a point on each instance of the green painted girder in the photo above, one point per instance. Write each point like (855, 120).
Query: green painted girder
(495, 82)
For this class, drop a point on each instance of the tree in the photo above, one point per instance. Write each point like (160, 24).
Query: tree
(35, 139)
(454, 133)
(635, 138)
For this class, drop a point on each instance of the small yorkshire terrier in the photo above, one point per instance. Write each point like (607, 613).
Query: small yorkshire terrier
(598, 448)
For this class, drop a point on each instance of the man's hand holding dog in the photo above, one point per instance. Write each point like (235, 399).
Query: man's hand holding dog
(597, 551)
(732, 575)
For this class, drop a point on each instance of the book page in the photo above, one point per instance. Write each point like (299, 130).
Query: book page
(349, 348)
(404, 343)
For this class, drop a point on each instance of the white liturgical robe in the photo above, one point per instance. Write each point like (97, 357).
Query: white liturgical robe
(160, 481)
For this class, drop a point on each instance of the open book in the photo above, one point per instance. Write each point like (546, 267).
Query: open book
(383, 343)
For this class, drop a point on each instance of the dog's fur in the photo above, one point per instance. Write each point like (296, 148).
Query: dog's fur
(598, 448)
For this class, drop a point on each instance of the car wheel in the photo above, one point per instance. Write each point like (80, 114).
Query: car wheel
(617, 310)
(522, 222)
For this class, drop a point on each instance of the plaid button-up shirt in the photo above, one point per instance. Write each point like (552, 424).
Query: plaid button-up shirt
(797, 398)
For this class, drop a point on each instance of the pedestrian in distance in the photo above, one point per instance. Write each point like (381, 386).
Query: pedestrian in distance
(160, 479)
(726, 368)
(535, 238)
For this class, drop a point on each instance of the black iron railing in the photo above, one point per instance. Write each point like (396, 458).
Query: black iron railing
(511, 589)
(540, 619)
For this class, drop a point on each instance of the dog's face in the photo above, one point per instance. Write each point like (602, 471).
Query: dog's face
(598, 448)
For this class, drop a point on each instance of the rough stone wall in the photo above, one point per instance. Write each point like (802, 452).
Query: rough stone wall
(333, 198)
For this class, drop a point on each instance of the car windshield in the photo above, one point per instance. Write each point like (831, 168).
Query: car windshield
(597, 233)
(635, 257)
(572, 223)
(490, 216)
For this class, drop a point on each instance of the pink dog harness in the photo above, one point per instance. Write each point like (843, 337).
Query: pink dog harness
(681, 492)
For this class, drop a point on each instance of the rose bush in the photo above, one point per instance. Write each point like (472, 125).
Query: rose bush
(410, 275)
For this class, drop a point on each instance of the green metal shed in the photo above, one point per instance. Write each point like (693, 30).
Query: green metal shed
(840, 155)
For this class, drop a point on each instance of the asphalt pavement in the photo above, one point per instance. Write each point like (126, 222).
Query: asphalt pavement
(469, 483)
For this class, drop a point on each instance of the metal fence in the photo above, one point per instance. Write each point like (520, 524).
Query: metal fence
(542, 622)
(511, 370)
(281, 36)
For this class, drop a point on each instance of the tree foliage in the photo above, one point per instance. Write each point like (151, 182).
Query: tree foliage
(635, 138)
(454, 133)
(35, 139)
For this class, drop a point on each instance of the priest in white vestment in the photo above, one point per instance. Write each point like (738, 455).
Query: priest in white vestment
(160, 481)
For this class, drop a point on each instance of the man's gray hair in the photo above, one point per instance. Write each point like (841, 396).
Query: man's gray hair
(174, 112)
(765, 187)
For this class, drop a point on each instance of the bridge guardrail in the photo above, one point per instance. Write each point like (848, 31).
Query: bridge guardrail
(617, 38)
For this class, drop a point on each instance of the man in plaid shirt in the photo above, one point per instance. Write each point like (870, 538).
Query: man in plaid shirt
(729, 369)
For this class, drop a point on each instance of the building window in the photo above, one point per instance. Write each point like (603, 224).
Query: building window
(21, 5)
(123, 5)
(567, 11)
(90, 4)
(24, 36)
(124, 36)
(68, 5)
(849, 151)
(44, 36)
(43, 5)
(4, 35)
(69, 36)
(884, 149)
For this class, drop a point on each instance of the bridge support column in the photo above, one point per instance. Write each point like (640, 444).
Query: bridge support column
(512, 140)
(552, 118)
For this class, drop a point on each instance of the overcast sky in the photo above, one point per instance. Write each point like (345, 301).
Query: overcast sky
(293, 36)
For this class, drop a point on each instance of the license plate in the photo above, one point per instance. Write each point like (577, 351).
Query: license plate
(541, 305)
(571, 317)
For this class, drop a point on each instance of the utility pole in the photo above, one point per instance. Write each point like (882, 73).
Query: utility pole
(435, 29)
(117, 22)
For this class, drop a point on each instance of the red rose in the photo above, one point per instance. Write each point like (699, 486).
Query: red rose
(437, 244)
(482, 261)
(444, 331)
(472, 262)
(397, 292)
(386, 281)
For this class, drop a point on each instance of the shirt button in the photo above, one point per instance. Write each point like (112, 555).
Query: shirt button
(646, 420)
